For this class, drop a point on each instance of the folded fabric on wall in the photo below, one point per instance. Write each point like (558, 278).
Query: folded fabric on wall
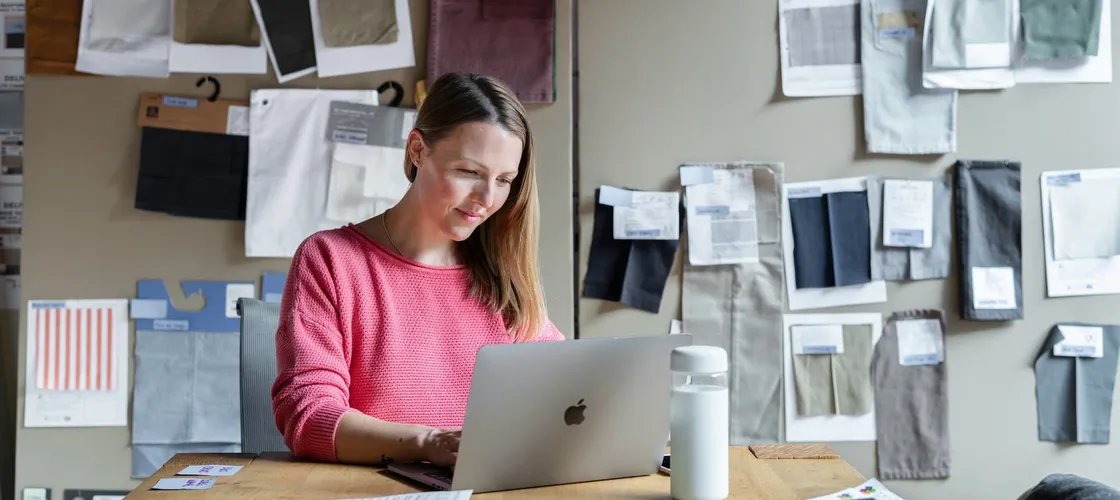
(347, 23)
(511, 41)
(836, 383)
(125, 38)
(968, 45)
(831, 238)
(739, 307)
(216, 36)
(53, 28)
(287, 30)
(1075, 374)
(989, 240)
(898, 263)
(1061, 29)
(900, 115)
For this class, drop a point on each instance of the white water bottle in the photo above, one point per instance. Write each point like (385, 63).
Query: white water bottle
(698, 424)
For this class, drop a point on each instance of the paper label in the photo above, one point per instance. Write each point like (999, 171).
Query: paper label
(184, 483)
(908, 213)
(34, 494)
(897, 32)
(236, 291)
(615, 197)
(651, 216)
(237, 121)
(210, 470)
(1080, 341)
(171, 325)
(180, 102)
(676, 327)
(1063, 179)
(804, 192)
(147, 309)
(920, 342)
(908, 19)
(697, 174)
(818, 339)
(357, 123)
(993, 288)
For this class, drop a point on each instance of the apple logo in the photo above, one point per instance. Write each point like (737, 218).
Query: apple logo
(574, 414)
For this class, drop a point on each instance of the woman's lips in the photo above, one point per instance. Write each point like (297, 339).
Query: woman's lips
(469, 216)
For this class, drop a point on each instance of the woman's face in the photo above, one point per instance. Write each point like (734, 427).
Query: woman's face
(466, 177)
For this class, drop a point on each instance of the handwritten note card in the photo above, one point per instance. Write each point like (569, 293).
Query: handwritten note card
(210, 470)
(184, 483)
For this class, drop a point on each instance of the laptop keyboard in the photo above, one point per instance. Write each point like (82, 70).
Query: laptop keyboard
(439, 475)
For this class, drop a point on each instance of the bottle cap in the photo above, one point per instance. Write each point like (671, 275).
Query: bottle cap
(698, 359)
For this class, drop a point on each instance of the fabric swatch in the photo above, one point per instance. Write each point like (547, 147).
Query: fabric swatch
(989, 240)
(1060, 29)
(831, 239)
(812, 252)
(898, 263)
(287, 26)
(739, 308)
(971, 34)
(632, 272)
(348, 23)
(900, 116)
(125, 25)
(1075, 393)
(911, 408)
(820, 36)
(518, 47)
(836, 384)
(216, 22)
(193, 174)
(53, 28)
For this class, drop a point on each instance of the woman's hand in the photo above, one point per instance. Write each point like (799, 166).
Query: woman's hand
(441, 446)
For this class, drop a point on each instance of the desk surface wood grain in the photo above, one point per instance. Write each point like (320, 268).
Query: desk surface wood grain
(277, 476)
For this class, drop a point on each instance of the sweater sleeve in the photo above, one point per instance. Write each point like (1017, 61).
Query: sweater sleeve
(312, 387)
(549, 334)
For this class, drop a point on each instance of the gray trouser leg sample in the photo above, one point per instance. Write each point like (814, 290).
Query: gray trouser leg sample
(989, 237)
(899, 263)
(1075, 393)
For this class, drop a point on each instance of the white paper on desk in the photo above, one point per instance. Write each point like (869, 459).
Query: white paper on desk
(722, 222)
(824, 428)
(130, 38)
(210, 470)
(815, 298)
(819, 44)
(871, 489)
(184, 483)
(426, 495)
(651, 215)
(77, 368)
(1091, 69)
(1085, 217)
(337, 61)
(907, 213)
(990, 78)
(1081, 276)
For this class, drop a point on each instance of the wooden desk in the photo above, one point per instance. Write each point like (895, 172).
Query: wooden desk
(276, 476)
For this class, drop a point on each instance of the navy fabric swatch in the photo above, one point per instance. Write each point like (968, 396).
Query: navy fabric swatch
(831, 240)
(632, 272)
(193, 174)
(812, 252)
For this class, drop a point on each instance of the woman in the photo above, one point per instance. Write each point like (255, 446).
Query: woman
(380, 321)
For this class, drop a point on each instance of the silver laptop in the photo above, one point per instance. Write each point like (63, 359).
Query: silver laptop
(542, 414)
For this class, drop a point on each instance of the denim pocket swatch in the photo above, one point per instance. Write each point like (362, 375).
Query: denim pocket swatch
(989, 240)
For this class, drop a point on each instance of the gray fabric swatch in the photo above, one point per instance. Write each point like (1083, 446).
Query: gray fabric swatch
(836, 384)
(1060, 29)
(1069, 487)
(897, 263)
(739, 308)
(957, 23)
(1075, 393)
(259, 321)
(911, 408)
(821, 36)
(989, 233)
(899, 115)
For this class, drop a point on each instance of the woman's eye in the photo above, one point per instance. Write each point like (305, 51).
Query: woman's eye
(467, 171)
(506, 181)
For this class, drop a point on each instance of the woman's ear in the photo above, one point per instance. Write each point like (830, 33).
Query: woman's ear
(415, 148)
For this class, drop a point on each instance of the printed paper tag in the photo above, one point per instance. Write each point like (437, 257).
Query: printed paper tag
(357, 123)
(993, 288)
(818, 339)
(1080, 341)
(237, 120)
(897, 32)
(210, 470)
(697, 174)
(615, 197)
(651, 216)
(804, 192)
(908, 19)
(1063, 179)
(908, 213)
(184, 483)
(236, 291)
(920, 342)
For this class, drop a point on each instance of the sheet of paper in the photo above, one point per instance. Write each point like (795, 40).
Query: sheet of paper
(872, 489)
(818, 339)
(676, 327)
(183, 483)
(1080, 341)
(77, 369)
(722, 224)
(907, 213)
(993, 288)
(824, 428)
(814, 298)
(11, 206)
(15, 28)
(210, 470)
(144, 55)
(337, 61)
(426, 495)
(1081, 276)
(1093, 69)
(819, 47)
(920, 342)
(650, 216)
(1077, 236)
(218, 59)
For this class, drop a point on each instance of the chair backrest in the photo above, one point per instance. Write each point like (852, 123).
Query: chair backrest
(259, 321)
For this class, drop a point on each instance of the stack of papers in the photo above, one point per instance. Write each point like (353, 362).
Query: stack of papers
(870, 490)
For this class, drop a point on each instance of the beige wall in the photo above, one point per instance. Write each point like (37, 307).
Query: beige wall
(83, 239)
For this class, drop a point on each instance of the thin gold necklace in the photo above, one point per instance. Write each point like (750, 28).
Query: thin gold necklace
(385, 225)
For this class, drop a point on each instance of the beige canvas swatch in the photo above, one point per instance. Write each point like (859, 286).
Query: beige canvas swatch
(349, 23)
(836, 384)
(216, 22)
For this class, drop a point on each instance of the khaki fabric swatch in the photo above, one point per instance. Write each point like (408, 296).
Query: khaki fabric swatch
(216, 22)
(836, 384)
(349, 23)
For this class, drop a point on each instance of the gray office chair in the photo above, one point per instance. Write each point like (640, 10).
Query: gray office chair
(259, 321)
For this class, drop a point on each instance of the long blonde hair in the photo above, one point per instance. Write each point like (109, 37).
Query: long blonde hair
(502, 253)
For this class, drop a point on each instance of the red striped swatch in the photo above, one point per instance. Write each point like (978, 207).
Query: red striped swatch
(75, 349)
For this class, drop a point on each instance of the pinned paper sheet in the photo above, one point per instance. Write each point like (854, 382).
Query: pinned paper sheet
(643, 215)
(722, 223)
(366, 57)
(180, 483)
(819, 47)
(1082, 253)
(210, 470)
(907, 213)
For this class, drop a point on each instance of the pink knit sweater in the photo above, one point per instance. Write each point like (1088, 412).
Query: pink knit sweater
(362, 328)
